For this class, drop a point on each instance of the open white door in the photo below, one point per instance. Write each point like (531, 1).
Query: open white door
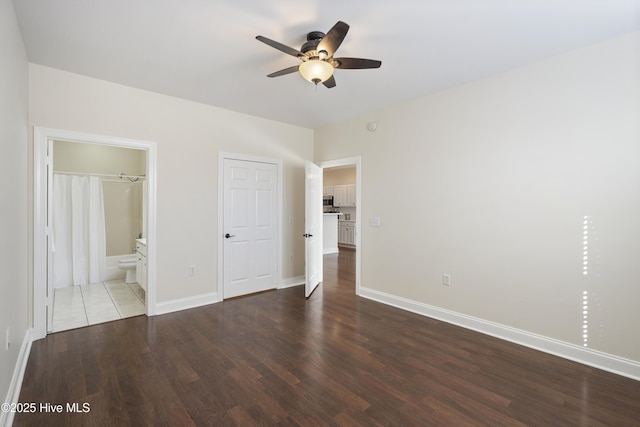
(313, 228)
(49, 237)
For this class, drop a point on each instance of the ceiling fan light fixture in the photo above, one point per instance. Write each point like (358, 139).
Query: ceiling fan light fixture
(317, 58)
(316, 70)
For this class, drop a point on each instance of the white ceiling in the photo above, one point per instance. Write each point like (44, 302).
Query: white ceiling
(205, 50)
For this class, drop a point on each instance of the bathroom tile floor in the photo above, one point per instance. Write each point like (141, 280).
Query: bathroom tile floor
(84, 305)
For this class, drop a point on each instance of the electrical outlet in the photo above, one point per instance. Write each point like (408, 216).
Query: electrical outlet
(446, 279)
(192, 270)
(7, 339)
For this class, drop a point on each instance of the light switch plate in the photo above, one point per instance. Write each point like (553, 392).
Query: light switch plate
(374, 221)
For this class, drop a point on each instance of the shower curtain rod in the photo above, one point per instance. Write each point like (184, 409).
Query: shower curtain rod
(102, 175)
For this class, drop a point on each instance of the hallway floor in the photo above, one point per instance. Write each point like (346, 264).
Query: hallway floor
(84, 305)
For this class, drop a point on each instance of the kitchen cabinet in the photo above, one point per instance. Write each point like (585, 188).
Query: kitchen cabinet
(347, 233)
(327, 191)
(141, 263)
(344, 196)
(351, 195)
(340, 195)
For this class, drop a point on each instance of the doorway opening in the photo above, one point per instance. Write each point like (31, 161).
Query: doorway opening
(99, 231)
(342, 177)
(44, 243)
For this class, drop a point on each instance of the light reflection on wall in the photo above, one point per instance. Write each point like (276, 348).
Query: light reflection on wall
(585, 245)
(585, 318)
(585, 272)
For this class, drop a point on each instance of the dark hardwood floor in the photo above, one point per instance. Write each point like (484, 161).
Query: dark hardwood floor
(335, 359)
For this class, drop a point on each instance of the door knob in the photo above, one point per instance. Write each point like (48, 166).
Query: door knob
(229, 235)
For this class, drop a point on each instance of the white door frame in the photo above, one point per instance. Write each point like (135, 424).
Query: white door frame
(40, 137)
(279, 233)
(357, 162)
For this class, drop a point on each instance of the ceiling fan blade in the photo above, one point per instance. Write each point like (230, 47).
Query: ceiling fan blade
(281, 47)
(285, 71)
(333, 39)
(356, 63)
(330, 82)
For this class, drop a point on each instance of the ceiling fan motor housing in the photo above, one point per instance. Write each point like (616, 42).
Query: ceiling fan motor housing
(315, 35)
(313, 39)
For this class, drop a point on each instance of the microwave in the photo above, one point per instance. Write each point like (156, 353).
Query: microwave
(327, 201)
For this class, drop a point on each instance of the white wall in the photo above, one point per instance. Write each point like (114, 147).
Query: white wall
(13, 194)
(189, 137)
(491, 181)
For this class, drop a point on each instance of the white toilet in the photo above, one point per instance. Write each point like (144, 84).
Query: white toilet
(128, 264)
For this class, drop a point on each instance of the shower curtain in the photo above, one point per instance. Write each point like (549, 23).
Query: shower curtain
(79, 242)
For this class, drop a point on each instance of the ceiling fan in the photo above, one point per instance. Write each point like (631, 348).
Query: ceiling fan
(317, 58)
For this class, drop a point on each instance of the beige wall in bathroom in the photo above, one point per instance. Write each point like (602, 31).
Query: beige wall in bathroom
(92, 158)
(122, 198)
(122, 215)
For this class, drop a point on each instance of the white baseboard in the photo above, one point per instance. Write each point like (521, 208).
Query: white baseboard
(186, 303)
(210, 298)
(291, 282)
(586, 356)
(13, 394)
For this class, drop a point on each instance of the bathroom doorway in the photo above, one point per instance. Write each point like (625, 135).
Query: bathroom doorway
(126, 171)
(98, 222)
